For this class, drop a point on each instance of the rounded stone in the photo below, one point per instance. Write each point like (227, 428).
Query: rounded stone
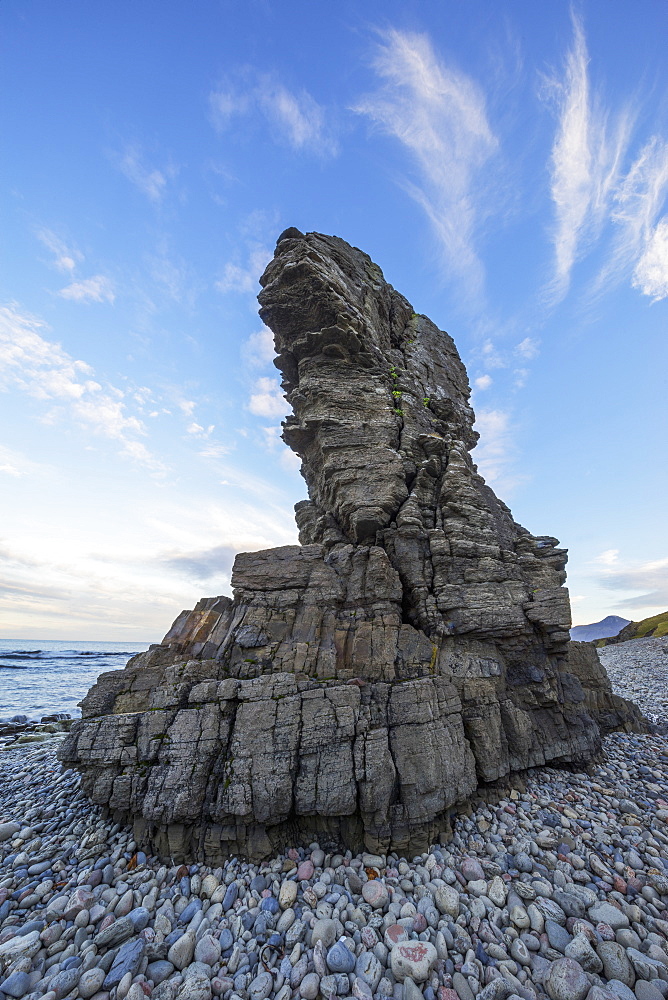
(207, 950)
(375, 894)
(287, 894)
(91, 981)
(309, 986)
(647, 991)
(17, 984)
(415, 959)
(616, 964)
(446, 898)
(471, 869)
(566, 980)
(497, 892)
(157, 971)
(324, 930)
(606, 913)
(340, 958)
(394, 934)
(305, 870)
(8, 830)
(369, 970)
(181, 952)
(261, 986)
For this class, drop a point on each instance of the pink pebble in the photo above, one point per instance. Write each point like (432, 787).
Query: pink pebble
(305, 870)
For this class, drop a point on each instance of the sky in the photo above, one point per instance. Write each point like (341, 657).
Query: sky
(506, 165)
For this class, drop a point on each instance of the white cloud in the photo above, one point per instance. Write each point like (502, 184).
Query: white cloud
(149, 180)
(495, 451)
(438, 114)
(258, 349)
(651, 272)
(289, 461)
(648, 580)
(286, 456)
(586, 160)
(186, 406)
(528, 348)
(491, 356)
(295, 117)
(483, 382)
(521, 376)
(238, 278)
(95, 289)
(13, 463)
(44, 370)
(267, 399)
(607, 558)
(298, 116)
(642, 236)
(65, 256)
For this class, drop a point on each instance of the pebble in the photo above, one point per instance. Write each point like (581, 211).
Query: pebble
(340, 958)
(566, 980)
(415, 959)
(558, 888)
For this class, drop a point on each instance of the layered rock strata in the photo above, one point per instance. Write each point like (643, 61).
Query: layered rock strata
(414, 645)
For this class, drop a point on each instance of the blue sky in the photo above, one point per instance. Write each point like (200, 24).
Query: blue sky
(505, 164)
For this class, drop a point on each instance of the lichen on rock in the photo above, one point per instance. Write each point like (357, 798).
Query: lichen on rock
(414, 646)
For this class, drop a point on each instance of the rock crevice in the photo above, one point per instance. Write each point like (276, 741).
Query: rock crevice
(359, 685)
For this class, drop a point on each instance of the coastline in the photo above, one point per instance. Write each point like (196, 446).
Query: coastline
(559, 889)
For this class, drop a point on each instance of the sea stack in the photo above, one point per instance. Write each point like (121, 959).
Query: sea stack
(361, 685)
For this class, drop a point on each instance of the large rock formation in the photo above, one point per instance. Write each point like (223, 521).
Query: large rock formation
(414, 645)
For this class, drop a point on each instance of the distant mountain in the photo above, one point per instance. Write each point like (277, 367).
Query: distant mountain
(656, 626)
(610, 626)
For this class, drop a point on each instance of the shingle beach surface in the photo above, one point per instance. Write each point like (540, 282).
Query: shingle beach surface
(559, 889)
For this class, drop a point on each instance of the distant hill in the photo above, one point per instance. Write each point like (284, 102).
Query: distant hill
(610, 626)
(655, 626)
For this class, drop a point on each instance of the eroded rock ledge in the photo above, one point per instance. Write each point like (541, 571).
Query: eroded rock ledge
(414, 646)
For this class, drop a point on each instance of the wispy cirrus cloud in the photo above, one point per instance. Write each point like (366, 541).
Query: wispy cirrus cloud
(496, 451)
(528, 349)
(641, 244)
(96, 289)
(651, 271)
(44, 370)
(439, 116)
(586, 161)
(593, 186)
(238, 277)
(295, 117)
(17, 465)
(150, 180)
(65, 256)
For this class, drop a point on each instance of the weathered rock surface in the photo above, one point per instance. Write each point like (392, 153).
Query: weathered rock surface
(415, 644)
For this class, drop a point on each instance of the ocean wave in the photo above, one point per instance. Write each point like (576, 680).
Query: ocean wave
(23, 654)
(59, 654)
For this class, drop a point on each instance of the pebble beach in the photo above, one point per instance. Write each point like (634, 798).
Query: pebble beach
(560, 889)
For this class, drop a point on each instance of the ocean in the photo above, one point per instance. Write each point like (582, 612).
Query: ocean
(39, 677)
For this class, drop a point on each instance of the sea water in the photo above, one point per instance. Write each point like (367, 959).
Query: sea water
(39, 677)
